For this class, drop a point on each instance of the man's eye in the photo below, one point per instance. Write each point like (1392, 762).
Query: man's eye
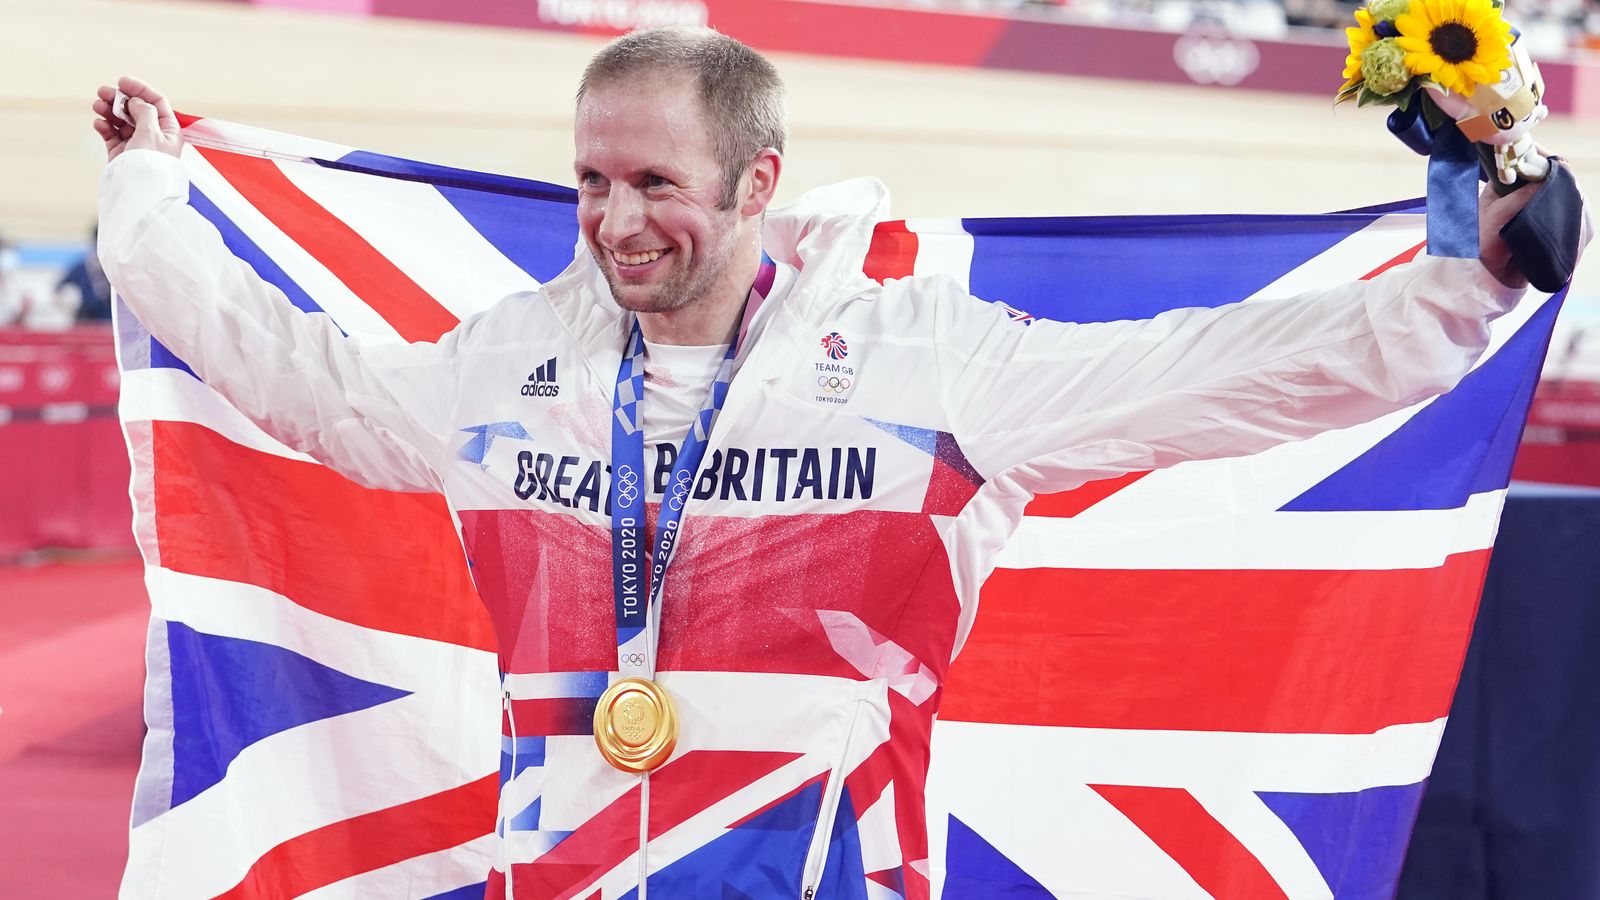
(590, 179)
(655, 182)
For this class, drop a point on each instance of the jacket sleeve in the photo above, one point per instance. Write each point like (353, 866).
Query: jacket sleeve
(1058, 404)
(376, 413)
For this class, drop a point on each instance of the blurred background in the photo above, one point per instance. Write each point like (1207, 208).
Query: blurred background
(964, 107)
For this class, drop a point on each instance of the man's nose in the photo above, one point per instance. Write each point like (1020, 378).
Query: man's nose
(623, 217)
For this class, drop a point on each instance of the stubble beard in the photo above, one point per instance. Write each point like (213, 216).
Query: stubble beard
(680, 289)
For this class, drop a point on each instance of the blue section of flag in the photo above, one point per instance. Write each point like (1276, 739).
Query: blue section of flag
(531, 223)
(528, 819)
(1357, 840)
(527, 751)
(974, 868)
(162, 358)
(465, 892)
(537, 235)
(765, 856)
(241, 246)
(228, 693)
(1453, 448)
(1101, 269)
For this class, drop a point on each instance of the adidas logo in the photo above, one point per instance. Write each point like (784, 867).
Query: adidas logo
(542, 383)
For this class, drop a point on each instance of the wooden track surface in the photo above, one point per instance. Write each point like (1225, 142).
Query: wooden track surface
(948, 141)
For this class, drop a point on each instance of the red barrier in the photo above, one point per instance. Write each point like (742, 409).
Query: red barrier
(1562, 442)
(64, 478)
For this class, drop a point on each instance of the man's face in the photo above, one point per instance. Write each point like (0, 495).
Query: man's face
(648, 193)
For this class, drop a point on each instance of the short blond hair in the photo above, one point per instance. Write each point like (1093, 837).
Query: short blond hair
(739, 90)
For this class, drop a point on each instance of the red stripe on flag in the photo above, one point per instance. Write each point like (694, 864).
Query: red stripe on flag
(892, 253)
(391, 293)
(1181, 827)
(1345, 652)
(379, 559)
(682, 788)
(1067, 504)
(699, 779)
(1405, 257)
(345, 849)
(554, 715)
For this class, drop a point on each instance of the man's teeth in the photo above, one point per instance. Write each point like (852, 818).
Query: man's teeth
(637, 259)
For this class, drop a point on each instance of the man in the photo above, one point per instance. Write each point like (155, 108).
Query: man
(835, 464)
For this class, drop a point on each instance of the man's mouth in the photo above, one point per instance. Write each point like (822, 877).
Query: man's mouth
(638, 259)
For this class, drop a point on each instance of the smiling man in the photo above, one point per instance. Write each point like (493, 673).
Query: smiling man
(735, 538)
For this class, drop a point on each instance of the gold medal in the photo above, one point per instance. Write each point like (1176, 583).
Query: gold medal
(635, 726)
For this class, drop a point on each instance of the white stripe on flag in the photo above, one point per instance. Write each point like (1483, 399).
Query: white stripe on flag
(1258, 828)
(1117, 539)
(943, 248)
(1205, 760)
(170, 395)
(350, 312)
(457, 266)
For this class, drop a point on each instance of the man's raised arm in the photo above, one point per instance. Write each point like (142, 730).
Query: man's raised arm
(376, 414)
(1062, 403)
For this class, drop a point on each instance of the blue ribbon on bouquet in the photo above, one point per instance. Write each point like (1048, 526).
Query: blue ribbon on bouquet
(1453, 173)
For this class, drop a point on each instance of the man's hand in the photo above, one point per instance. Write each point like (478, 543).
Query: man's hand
(153, 125)
(1494, 211)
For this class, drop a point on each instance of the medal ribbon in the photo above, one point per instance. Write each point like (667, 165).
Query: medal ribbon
(636, 578)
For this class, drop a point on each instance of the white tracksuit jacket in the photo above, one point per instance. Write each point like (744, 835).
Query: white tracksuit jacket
(830, 561)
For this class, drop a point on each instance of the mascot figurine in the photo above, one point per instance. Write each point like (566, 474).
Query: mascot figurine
(1467, 96)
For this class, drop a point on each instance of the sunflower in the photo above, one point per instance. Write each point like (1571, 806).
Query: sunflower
(1360, 38)
(1458, 43)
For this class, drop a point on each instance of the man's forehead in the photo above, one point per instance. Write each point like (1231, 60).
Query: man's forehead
(641, 118)
(665, 89)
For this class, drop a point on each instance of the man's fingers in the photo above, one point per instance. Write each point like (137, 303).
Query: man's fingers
(133, 87)
(144, 114)
(106, 92)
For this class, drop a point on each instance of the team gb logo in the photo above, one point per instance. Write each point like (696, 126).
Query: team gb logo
(833, 343)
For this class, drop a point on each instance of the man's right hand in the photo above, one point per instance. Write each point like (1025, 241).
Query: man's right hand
(154, 125)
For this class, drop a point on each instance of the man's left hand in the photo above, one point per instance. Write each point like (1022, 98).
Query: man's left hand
(1494, 211)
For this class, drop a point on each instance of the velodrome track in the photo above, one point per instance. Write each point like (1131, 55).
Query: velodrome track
(71, 721)
(948, 142)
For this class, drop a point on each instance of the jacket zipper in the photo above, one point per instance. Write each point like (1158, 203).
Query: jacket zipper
(821, 838)
(500, 801)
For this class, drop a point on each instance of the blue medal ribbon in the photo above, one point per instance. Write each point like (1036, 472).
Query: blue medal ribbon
(637, 579)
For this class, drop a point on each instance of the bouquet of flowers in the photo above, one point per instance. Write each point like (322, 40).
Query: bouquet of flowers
(1398, 46)
(1450, 61)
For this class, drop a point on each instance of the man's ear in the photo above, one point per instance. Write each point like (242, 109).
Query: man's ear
(764, 172)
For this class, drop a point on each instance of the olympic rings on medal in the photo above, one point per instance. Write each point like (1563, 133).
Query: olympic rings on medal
(833, 384)
(630, 659)
(627, 483)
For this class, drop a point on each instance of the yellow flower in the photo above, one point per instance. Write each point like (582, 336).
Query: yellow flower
(1458, 43)
(1360, 38)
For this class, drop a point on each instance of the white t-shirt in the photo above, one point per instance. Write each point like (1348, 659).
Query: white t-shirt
(676, 379)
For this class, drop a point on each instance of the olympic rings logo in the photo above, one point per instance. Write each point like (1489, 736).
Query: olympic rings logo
(833, 384)
(627, 485)
(630, 659)
(680, 492)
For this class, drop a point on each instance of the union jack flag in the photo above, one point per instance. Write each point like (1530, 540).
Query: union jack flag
(1224, 679)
